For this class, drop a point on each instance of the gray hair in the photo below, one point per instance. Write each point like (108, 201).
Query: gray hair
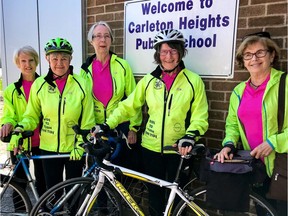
(268, 43)
(28, 50)
(90, 32)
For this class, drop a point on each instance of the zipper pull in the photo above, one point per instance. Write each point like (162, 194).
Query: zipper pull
(276, 176)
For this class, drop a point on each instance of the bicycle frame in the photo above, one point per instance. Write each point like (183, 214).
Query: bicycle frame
(22, 162)
(109, 175)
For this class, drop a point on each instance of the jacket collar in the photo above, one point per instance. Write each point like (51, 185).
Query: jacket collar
(18, 84)
(89, 60)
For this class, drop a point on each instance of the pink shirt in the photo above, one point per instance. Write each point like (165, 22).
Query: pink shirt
(61, 83)
(35, 139)
(250, 113)
(168, 80)
(102, 81)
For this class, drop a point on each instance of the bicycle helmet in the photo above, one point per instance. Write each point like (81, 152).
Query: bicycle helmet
(168, 36)
(58, 45)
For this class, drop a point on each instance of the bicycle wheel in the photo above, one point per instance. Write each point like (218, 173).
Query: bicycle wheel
(258, 206)
(71, 194)
(14, 200)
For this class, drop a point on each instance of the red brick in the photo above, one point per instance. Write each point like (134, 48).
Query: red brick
(266, 21)
(265, 1)
(104, 2)
(216, 115)
(258, 10)
(105, 17)
(277, 8)
(114, 7)
(216, 105)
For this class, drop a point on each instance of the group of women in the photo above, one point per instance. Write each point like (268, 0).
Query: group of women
(105, 94)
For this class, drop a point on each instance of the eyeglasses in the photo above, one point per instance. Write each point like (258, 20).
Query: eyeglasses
(259, 34)
(165, 52)
(99, 37)
(258, 54)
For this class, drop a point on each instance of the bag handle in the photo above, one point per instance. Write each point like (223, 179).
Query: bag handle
(281, 102)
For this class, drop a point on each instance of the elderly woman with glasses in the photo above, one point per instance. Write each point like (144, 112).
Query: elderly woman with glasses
(111, 80)
(252, 116)
(177, 112)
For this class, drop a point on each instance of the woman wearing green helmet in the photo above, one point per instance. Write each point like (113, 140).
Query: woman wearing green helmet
(60, 100)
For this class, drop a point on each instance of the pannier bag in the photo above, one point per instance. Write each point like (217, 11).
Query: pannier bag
(228, 183)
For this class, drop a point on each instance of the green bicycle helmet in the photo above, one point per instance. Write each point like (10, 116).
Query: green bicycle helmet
(58, 45)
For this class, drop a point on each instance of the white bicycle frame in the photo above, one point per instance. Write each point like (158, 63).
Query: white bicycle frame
(109, 175)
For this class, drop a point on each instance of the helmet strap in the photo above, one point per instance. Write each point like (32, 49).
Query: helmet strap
(55, 76)
(168, 71)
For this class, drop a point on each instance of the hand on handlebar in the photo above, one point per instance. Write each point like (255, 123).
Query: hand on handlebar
(100, 129)
(185, 144)
(16, 140)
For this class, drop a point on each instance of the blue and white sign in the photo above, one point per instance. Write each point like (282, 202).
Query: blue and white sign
(209, 27)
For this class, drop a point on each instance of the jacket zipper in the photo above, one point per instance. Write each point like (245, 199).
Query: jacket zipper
(163, 121)
(59, 116)
(64, 105)
(169, 105)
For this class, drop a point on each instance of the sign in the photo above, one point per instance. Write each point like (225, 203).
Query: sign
(209, 27)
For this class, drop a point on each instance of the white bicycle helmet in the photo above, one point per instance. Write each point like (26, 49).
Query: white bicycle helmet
(168, 35)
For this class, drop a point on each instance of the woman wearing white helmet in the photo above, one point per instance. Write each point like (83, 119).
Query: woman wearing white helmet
(177, 112)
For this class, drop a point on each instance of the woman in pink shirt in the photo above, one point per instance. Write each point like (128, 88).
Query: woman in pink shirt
(16, 97)
(252, 116)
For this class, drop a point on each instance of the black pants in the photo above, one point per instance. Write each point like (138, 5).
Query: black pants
(38, 171)
(163, 167)
(54, 169)
(129, 156)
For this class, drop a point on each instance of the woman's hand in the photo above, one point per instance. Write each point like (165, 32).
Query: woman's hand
(261, 151)
(6, 129)
(224, 154)
(132, 137)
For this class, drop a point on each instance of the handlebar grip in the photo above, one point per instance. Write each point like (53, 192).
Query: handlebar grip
(6, 139)
(197, 150)
(25, 134)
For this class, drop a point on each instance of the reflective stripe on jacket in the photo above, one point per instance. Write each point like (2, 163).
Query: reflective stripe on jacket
(235, 131)
(123, 85)
(59, 112)
(171, 115)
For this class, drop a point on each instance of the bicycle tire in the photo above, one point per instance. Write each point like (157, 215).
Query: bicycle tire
(71, 205)
(14, 200)
(199, 195)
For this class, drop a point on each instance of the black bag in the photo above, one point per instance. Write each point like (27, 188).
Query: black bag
(228, 183)
(278, 185)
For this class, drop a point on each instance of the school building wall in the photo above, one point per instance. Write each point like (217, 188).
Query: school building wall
(254, 15)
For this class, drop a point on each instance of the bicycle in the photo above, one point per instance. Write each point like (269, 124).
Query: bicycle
(82, 196)
(15, 200)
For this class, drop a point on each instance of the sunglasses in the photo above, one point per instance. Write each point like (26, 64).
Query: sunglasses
(259, 34)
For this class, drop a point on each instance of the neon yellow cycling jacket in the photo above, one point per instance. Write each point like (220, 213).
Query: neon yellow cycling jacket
(59, 112)
(235, 131)
(123, 85)
(14, 105)
(171, 114)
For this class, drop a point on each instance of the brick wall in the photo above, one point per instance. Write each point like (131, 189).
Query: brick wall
(254, 15)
